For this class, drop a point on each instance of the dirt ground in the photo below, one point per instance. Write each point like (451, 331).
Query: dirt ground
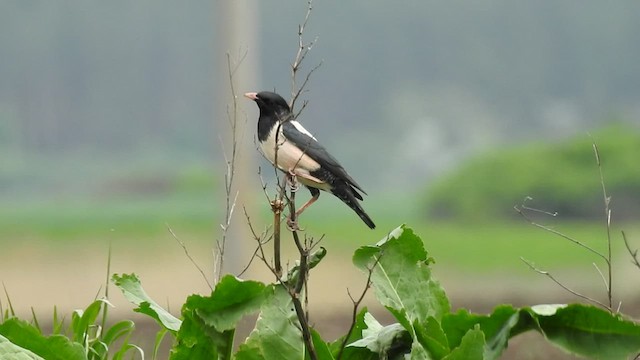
(39, 277)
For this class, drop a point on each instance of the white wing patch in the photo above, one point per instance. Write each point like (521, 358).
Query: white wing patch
(290, 157)
(301, 128)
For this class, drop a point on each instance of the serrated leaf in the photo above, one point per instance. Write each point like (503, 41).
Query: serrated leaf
(591, 331)
(132, 289)
(54, 347)
(276, 335)
(209, 321)
(196, 339)
(231, 300)
(402, 278)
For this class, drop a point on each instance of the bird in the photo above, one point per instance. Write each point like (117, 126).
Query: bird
(298, 153)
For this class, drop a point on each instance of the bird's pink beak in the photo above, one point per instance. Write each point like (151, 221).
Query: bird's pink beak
(251, 95)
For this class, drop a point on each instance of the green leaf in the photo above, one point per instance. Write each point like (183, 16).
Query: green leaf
(118, 330)
(197, 340)
(276, 335)
(209, 322)
(504, 323)
(10, 351)
(471, 347)
(55, 347)
(383, 340)
(314, 259)
(590, 331)
(402, 278)
(354, 353)
(231, 300)
(81, 320)
(132, 289)
(321, 347)
(432, 338)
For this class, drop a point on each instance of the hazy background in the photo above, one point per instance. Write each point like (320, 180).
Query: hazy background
(87, 87)
(111, 113)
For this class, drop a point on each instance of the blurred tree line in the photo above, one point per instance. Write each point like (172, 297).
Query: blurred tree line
(119, 76)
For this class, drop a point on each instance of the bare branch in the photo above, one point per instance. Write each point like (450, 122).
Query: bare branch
(633, 253)
(261, 240)
(303, 272)
(301, 54)
(230, 201)
(356, 306)
(558, 233)
(548, 274)
(184, 247)
(607, 211)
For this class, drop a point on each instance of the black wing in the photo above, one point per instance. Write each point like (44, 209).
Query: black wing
(318, 153)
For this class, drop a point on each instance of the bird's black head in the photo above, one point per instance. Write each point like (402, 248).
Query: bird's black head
(270, 104)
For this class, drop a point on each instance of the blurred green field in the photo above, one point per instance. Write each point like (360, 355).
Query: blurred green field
(490, 246)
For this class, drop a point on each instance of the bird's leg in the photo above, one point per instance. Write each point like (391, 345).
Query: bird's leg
(293, 225)
(292, 181)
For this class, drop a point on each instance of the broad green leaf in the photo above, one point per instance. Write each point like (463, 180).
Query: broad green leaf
(54, 347)
(402, 278)
(209, 322)
(276, 335)
(505, 322)
(471, 347)
(132, 289)
(354, 353)
(197, 340)
(432, 338)
(321, 347)
(10, 351)
(231, 300)
(591, 331)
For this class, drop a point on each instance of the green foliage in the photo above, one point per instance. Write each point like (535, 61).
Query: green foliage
(426, 328)
(561, 177)
(83, 340)
(133, 291)
(400, 274)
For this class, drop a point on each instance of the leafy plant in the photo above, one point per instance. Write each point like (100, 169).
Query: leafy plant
(399, 270)
(84, 338)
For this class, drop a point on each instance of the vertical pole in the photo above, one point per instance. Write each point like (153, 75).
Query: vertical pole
(236, 33)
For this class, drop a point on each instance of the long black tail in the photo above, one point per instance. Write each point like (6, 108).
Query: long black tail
(346, 194)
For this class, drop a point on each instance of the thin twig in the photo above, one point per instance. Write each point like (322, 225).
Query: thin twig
(633, 253)
(303, 271)
(232, 117)
(607, 211)
(548, 274)
(356, 306)
(301, 54)
(556, 232)
(261, 240)
(186, 251)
